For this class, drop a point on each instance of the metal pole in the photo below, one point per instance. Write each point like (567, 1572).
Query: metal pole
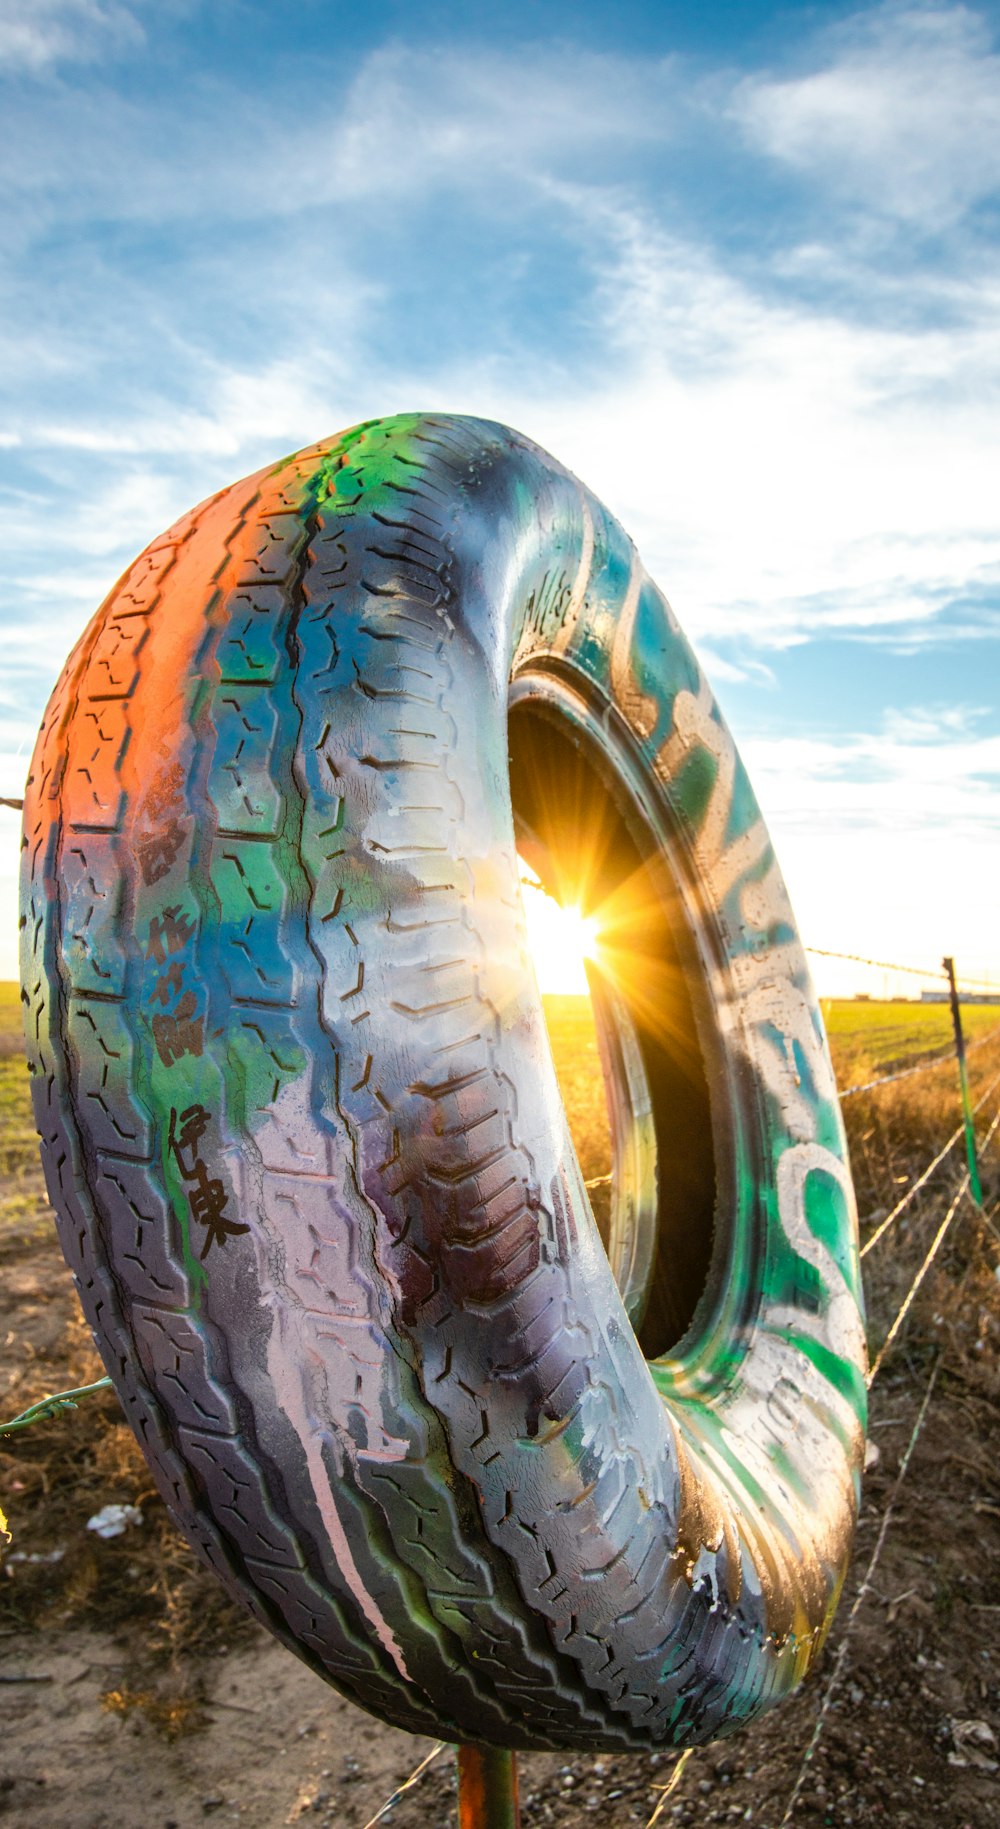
(963, 1080)
(487, 1788)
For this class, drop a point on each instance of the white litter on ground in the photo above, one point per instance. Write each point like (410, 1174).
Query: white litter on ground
(114, 1520)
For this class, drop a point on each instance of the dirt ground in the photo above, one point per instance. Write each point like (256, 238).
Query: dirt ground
(135, 1696)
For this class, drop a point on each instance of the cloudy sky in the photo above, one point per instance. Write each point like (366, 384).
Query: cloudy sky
(738, 266)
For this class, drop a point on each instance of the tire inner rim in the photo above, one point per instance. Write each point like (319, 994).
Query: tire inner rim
(631, 1243)
(581, 824)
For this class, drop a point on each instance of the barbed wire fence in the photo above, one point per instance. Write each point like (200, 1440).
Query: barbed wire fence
(865, 1587)
(937, 1059)
(967, 1188)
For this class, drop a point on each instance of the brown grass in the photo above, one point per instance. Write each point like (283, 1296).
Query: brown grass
(148, 1583)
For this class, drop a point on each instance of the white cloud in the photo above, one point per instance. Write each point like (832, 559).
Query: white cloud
(734, 672)
(36, 34)
(111, 514)
(783, 470)
(799, 434)
(414, 119)
(934, 724)
(915, 773)
(905, 896)
(889, 841)
(785, 466)
(397, 126)
(900, 117)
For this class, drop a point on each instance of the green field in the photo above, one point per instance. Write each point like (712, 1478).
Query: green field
(573, 1038)
(879, 1037)
(10, 1009)
(18, 1142)
(175, 1614)
(866, 1039)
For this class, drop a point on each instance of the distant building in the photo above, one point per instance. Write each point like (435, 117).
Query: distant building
(990, 997)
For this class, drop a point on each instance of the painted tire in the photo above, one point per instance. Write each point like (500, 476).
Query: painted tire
(302, 1131)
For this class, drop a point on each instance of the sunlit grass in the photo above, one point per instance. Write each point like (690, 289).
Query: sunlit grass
(892, 1034)
(10, 1008)
(865, 1039)
(573, 1040)
(21, 1192)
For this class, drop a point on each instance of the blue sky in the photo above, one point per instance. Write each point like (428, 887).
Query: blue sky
(738, 266)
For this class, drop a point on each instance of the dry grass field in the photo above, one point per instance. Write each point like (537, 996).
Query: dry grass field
(135, 1694)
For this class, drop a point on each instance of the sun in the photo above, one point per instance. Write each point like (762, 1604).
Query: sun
(559, 939)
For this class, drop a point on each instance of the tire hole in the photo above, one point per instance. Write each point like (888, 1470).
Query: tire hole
(591, 851)
(564, 947)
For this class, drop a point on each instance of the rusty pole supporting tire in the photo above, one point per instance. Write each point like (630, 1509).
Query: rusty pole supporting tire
(303, 1136)
(487, 1788)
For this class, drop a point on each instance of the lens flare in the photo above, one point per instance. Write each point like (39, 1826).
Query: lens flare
(559, 939)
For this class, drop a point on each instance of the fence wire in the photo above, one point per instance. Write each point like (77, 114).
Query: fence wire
(882, 965)
(911, 971)
(866, 1584)
(911, 1191)
(936, 1244)
(908, 1299)
(861, 1595)
(905, 1073)
(51, 1406)
(923, 1066)
(864, 1589)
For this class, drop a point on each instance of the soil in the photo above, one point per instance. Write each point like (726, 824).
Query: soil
(135, 1694)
